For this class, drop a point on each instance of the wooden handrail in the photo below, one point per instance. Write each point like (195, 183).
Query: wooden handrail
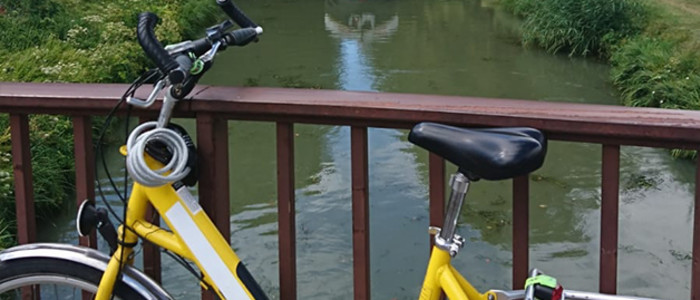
(562, 121)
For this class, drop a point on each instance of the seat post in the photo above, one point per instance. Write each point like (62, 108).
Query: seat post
(460, 186)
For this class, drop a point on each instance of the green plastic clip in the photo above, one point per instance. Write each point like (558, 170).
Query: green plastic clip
(542, 280)
(197, 65)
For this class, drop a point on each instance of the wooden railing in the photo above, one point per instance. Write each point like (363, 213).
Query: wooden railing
(610, 126)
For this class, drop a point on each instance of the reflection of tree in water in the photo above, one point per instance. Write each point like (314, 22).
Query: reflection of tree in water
(361, 27)
(357, 25)
(362, 20)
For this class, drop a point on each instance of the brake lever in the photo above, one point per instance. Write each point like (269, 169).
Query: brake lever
(151, 98)
(209, 56)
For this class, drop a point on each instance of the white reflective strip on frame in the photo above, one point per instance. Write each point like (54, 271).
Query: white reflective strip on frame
(205, 253)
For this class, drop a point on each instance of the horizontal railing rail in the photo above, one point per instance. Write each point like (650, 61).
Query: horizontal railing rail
(610, 126)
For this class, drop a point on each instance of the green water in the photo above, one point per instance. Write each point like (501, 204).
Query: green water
(457, 47)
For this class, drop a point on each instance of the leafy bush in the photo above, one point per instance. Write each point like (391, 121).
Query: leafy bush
(95, 41)
(75, 41)
(26, 23)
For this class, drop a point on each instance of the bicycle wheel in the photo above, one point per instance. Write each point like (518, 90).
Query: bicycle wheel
(55, 278)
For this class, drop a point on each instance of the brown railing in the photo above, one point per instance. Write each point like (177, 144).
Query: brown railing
(610, 126)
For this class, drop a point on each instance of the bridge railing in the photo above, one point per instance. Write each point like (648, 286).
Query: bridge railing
(609, 126)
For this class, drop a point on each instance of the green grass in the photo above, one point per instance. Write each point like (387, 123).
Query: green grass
(580, 27)
(657, 72)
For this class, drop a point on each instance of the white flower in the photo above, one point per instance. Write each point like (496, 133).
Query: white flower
(93, 18)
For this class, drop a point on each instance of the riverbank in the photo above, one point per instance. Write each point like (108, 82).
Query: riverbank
(73, 41)
(652, 47)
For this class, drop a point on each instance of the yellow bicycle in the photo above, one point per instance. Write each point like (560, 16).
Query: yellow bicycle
(159, 158)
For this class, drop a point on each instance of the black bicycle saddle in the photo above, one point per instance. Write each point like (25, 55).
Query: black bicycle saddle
(490, 153)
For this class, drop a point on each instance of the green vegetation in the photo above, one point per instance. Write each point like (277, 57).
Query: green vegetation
(74, 41)
(86, 41)
(52, 158)
(578, 27)
(652, 47)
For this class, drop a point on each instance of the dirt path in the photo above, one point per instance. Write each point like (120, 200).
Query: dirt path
(688, 7)
(687, 13)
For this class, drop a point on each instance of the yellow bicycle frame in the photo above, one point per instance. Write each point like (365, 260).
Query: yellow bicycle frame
(194, 237)
(441, 276)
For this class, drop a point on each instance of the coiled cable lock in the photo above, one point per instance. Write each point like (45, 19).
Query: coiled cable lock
(175, 170)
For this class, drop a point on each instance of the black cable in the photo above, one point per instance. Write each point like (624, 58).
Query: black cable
(99, 150)
(126, 203)
(179, 259)
(126, 172)
(129, 93)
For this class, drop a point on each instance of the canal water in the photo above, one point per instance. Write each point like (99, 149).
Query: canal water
(451, 47)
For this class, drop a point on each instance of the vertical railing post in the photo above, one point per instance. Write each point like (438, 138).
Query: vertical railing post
(84, 168)
(22, 166)
(360, 212)
(521, 230)
(436, 179)
(24, 193)
(286, 211)
(212, 143)
(609, 218)
(695, 272)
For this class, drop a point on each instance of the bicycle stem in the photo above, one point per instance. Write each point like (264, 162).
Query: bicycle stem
(167, 109)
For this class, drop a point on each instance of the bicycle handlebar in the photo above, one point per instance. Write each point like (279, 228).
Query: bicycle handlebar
(243, 36)
(154, 49)
(235, 14)
(176, 64)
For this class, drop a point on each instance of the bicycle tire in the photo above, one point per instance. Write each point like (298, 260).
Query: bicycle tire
(38, 271)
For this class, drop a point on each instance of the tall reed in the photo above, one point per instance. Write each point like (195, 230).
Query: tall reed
(578, 27)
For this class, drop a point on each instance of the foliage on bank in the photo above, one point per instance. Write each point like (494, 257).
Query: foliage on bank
(74, 41)
(52, 161)
(655, 62)
(581, 27)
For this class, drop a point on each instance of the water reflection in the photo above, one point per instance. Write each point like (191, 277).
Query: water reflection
(361, 27)
(356, 27)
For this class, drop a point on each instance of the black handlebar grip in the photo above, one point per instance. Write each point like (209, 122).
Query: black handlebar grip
(154, 49)
(235, 14)
(241, 37)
